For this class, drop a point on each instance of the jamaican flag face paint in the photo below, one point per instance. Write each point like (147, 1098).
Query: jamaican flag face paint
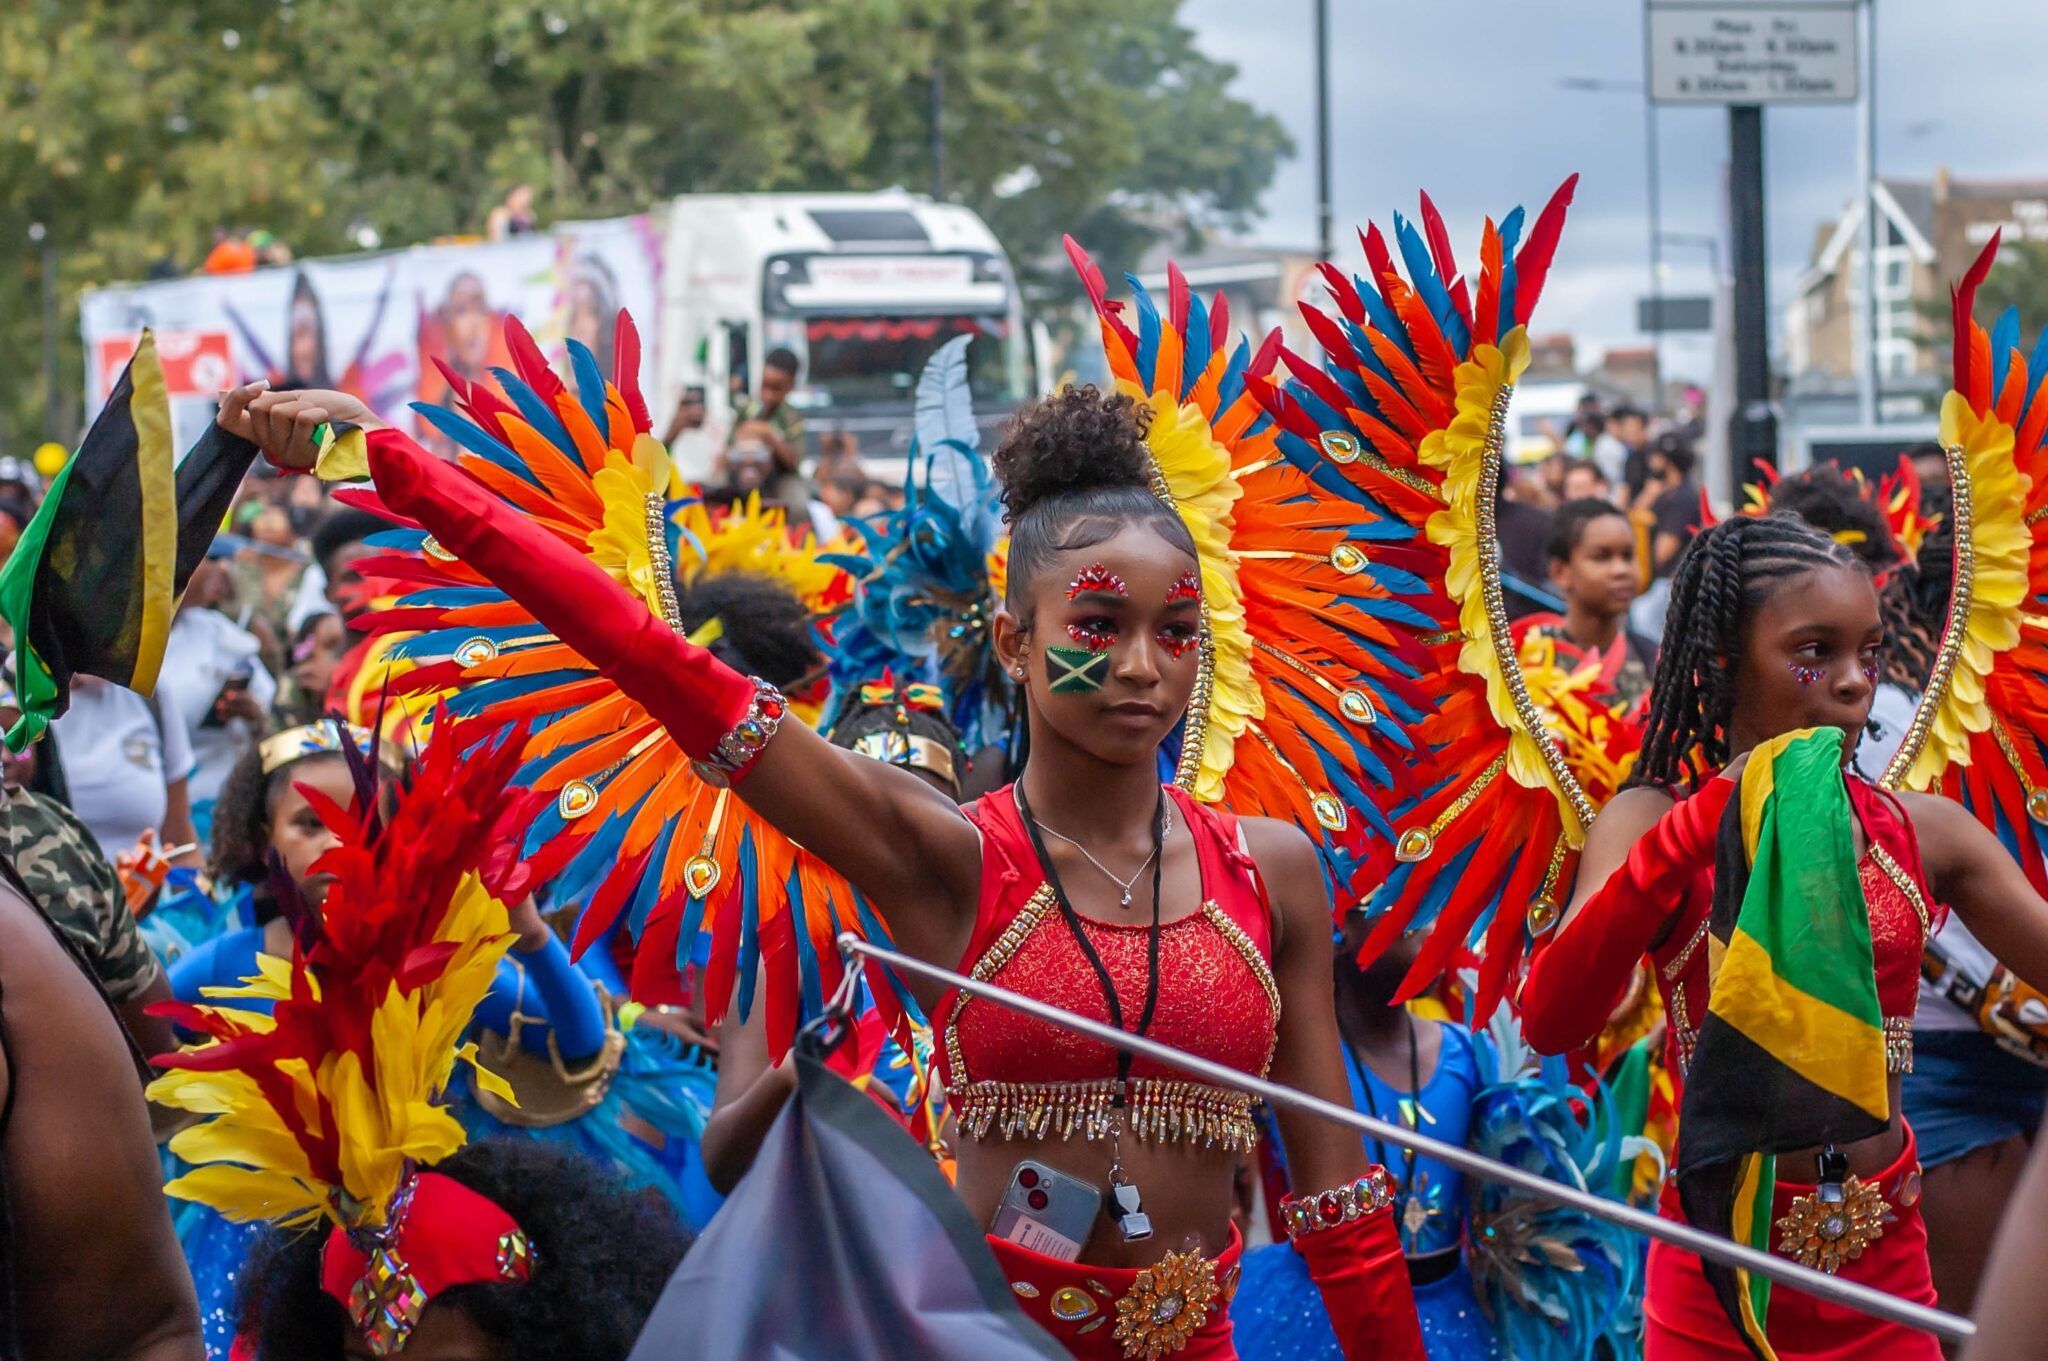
(1076, 670)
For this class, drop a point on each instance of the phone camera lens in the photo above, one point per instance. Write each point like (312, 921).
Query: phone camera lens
(1027, 1178)
(1038, 1200)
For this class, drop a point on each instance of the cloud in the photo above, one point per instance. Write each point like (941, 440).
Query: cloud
(1464, 101)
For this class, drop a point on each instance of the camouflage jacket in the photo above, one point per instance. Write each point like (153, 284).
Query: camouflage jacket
(77, 890)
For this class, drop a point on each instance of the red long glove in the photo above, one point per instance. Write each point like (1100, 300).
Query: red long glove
(1363, 1279)
(1577, 980)
(698, 698)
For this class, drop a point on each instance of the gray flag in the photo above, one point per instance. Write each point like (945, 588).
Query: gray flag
(843, 1241)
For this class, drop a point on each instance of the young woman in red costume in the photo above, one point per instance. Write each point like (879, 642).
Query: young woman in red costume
(1087, 884)
(1775, 627)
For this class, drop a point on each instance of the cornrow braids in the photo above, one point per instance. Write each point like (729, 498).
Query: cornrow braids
(1726, 572)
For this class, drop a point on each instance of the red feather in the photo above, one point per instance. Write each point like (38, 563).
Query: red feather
(626, 372)
(1975, 386)
(1532, 261)
(1098, 292)
(1486, 315)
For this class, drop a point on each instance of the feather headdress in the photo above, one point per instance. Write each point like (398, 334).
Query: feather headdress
(331, 1106)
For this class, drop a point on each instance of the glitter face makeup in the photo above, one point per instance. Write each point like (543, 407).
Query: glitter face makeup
(1188, 586)
(1807, 675)
(1178, 645)
(1091, 635)
(1097, 579)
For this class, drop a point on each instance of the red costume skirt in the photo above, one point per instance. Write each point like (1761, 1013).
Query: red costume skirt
(1684, 1320)
(1082, 1305)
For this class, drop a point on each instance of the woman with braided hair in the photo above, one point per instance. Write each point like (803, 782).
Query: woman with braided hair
(1774, 627)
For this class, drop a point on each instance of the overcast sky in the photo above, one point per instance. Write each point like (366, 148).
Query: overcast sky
(1462, 97)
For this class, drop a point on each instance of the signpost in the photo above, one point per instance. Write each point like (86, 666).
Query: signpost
(1662, 314)
(1745, 54)
(1752, 53)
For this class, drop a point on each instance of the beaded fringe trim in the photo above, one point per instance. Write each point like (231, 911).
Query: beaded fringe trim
(1157, 1110)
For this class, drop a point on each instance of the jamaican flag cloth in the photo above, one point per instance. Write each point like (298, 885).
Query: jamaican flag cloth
(94, 581)
(1790, 1054)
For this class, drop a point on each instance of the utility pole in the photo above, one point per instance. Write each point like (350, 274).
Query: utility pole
(1753, 428)
(53, 403)
(1869, 390)
(1656, 251)
(1323, 240)
(938, 130)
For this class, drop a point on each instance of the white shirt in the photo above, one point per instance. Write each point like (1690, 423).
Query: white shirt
(119, 761)
(204, 649)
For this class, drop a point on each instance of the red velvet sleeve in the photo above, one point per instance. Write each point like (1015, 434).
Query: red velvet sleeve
(698, 698)
(1577, 980)
(1363, 1279)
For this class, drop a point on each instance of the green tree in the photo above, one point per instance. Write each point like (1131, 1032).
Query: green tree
(131, 130)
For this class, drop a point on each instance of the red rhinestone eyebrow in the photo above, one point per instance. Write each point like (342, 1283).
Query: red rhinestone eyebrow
(1097, 578)
(1187, 586)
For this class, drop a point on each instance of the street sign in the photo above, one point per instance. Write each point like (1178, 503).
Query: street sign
(1666, 314)
(1752, 53)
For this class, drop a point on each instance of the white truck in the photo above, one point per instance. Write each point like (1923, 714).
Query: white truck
(862, 288)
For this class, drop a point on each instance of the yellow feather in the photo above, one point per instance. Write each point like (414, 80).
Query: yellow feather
(2001, 542)
(486, 1080)
(244, 1194)
(1196, 469)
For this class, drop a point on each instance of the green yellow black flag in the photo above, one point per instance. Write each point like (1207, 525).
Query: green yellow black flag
(94, 581)
(1791, 1052)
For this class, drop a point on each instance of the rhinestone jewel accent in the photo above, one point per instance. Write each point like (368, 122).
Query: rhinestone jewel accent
(701, 874)
(515, 1255)
(386, 1302)
(577, 798)
(476, 651)
(1542, 916)
(1340, 446)
(431, 546)
(1071, 1304)
(2037, 805)
(1025, 1289)
(1329, 811)
(1415, 844)
(1357, 706)
(1348, 559)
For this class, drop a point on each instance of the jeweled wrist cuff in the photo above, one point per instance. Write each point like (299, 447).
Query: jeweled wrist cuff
(749, 737)
(1369, 1195)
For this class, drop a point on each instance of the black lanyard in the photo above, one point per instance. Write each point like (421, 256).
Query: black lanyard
(1073, 920)
(1372, 1107)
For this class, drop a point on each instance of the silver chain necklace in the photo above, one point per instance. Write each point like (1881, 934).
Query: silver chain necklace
(1127, 885)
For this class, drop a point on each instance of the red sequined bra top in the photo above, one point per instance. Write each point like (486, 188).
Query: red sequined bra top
(1903, 914)
(1016, 1076)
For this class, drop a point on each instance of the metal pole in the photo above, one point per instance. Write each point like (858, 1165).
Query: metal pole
(1869, 387)
(1753, 428)
(938, 130)
(1655, 195)
(1323, 246)
(53, 401)
(1783, 1271)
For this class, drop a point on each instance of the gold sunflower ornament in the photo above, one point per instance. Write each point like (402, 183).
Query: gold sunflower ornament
(1825, 1233)
(1166, 1305)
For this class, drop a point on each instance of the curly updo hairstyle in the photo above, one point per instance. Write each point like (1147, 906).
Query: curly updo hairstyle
(1725, 574)
(1075, 472)
(602, 1253)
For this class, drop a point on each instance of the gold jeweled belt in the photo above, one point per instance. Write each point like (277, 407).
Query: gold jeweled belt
(1158, 1110)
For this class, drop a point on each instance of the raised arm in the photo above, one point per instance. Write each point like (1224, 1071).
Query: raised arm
(1357, 1266)
(1973, 874)
(1641, 856)
(894, 837)
(84, 1188)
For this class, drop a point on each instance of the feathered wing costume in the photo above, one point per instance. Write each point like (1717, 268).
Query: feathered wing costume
(928, 576)
(1981, 732)
(1359, 677)
(331, 1108)
(641, 834)
(1315, 587)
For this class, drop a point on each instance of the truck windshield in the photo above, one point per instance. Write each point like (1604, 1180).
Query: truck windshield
(873, 360)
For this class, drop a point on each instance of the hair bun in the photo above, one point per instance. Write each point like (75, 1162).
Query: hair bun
(1076, 440)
